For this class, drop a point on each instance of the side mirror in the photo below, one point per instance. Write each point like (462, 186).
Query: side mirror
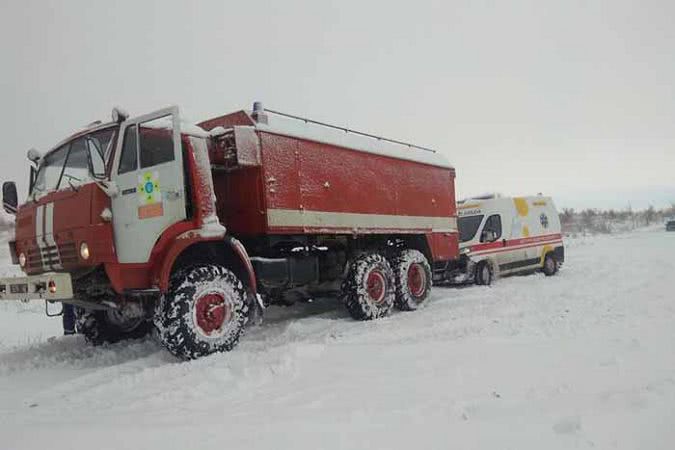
(488, 236)
(34, 156)
(10, 199)
(119, 115)
(31, 180)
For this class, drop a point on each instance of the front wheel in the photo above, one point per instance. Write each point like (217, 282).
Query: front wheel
(204, 311)
(484, 273)
(100, 327)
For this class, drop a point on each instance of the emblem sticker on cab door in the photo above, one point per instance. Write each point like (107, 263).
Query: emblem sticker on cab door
(149, 196)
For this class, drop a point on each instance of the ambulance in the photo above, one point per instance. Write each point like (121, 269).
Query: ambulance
(509, 235)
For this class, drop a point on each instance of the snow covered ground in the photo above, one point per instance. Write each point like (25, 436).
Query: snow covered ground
(581, 360)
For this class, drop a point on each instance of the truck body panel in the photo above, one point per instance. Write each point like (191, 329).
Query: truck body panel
(310, 182)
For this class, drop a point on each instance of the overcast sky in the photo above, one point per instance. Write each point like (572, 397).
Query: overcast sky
(574, 99)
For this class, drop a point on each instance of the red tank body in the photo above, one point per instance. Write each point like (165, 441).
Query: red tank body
(295, 182)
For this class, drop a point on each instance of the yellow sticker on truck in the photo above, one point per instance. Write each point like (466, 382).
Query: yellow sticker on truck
(149, 195)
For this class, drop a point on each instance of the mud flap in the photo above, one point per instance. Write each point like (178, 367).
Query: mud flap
(257, 310)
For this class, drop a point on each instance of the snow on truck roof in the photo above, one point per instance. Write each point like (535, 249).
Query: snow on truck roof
(186, 127)
(301, 128)
(298, 127)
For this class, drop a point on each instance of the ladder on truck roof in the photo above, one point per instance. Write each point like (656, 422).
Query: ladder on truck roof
(258, 109)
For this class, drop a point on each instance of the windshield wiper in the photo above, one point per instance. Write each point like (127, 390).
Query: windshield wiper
(70, 183)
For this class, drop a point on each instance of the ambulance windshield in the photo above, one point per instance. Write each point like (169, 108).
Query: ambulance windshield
(468, 226)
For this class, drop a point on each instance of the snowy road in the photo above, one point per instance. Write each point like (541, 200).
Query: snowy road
(585, 359)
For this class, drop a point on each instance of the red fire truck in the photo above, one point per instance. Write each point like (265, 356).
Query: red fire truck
(150, 223)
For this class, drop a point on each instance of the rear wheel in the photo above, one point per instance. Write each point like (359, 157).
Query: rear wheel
(484, 273)
(110, 326)
(550, 266)
(413, 278)
(368, 289)
(204, 311)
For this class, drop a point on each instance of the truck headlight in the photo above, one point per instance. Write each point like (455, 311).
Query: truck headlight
(465, 251)
(84, 251)
(22, 260)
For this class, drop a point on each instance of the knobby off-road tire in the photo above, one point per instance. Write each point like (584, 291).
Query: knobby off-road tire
(550, 266)
(204, 311)
(412, 275)
(368, 290)
(100, 327)
(484, 273)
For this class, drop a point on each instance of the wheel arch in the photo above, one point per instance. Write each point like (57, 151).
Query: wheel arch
(421, 244)
(492, 263)
(227, 251)
(545, 251)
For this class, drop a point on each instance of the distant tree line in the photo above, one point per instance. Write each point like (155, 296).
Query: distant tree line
(593, 220)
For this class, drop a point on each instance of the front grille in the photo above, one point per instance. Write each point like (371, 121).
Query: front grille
(33, 259)
(50, 256)
(68, 253)
(64, 254)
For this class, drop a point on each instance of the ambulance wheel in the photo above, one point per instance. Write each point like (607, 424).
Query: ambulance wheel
(484, 273)
(101, 327)
(412, 274)
(203, 312)
(550, 266)
(368, 291)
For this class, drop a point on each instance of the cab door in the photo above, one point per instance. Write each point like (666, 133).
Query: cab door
(492, 232)
(148, 171)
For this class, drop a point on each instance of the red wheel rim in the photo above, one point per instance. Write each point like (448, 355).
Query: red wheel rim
(376, 286)
(417, 280)
(211, 312)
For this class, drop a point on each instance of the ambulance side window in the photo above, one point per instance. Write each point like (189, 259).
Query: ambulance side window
(492, 230)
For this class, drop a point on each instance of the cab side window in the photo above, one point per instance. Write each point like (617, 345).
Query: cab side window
(492, 230)
(129, 158)
(156, 142)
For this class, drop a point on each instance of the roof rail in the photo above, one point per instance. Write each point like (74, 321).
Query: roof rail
(487, 196)
(347, 130)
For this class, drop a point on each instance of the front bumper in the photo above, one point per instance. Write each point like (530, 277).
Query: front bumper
(46, 286)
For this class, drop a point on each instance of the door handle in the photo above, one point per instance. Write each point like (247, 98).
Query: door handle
(172, 195)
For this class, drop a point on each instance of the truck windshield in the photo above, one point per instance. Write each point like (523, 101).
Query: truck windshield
(69, 164)
(468, 226)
